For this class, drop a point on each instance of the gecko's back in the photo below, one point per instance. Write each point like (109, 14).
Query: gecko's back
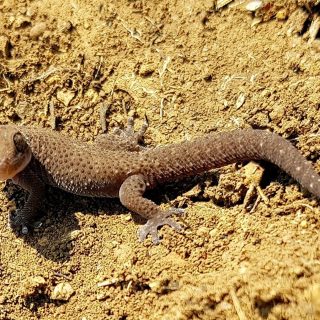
(79, 167)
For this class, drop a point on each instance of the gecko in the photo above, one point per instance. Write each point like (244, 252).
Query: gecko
(116, 165)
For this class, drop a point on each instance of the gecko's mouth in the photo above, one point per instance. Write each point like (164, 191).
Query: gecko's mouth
(6, 171)
(9, 168)
(15, 154)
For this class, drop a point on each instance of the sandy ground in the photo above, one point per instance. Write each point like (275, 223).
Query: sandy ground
(191, 70)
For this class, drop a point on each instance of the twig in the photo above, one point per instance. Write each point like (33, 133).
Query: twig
(237, 305)
(161, 108)
(133, 32)
(8, 88)
(164, 67)
(44, 75)
(99, 67)
(53, 118)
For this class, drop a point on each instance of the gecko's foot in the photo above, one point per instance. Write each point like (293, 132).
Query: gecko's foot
(152, 225)
(124, 139)
(17, 223)
(129, 134)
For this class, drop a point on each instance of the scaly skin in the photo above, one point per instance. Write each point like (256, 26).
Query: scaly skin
(116, 166)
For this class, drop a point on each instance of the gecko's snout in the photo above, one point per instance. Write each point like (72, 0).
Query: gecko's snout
(15, 153)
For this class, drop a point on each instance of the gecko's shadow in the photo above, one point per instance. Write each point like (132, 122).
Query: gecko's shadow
(61, 217)
(60, 223)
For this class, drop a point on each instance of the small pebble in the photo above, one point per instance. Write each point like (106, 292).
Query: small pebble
(213, 233)
(282, 14)
(146, 70)
(66, 26)
(155, 286)
(102, 296)
(37, 30)
(74, 234)
(62, 291)
(203, 232)
(304, 224)
(65, 96)
(298, 271)
(254, 5)
(108, 282)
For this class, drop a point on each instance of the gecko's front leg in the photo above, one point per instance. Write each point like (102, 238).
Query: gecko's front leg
(30, 182)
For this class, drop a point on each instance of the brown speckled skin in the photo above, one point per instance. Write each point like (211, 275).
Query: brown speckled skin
(113, 168)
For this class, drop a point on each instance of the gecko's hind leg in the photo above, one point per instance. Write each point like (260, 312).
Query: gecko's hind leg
(131, 196)
(129, 130)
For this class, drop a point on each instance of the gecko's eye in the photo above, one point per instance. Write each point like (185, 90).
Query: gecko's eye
(20, 142)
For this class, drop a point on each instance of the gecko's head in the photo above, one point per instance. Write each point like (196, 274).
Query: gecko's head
(15, 154)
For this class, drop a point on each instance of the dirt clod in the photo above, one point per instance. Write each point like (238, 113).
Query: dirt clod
(33, 286)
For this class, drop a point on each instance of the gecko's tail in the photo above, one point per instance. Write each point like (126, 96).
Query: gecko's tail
(218, 149)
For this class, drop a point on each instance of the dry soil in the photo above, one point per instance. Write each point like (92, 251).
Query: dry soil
(191, 69)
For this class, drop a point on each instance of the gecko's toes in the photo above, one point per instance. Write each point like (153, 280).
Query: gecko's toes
(152, 225)
(16, 223)
(24, 230)
(129, 133)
